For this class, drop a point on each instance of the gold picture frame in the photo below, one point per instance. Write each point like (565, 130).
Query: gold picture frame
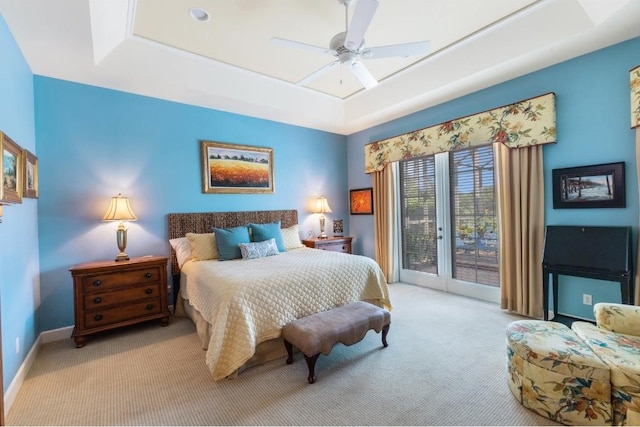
(10, 170)
(232, 168)
(30, 179)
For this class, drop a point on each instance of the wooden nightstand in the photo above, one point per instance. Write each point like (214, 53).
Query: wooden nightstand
(336, 244)
(110, 294)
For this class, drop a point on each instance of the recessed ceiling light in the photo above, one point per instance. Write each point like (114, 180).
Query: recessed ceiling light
(199, 14)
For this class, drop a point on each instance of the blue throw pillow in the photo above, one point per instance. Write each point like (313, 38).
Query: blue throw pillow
(228, 241)
(262, 232)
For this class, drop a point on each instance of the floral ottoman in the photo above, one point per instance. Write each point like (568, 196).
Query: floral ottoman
(555, 374)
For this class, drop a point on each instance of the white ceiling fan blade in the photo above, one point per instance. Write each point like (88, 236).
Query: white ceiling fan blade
(300, 45)
(362, 74)
(397, 50)
(362, 16)
(320, 71)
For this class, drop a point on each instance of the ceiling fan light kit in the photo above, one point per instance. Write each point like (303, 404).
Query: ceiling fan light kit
(349, 46)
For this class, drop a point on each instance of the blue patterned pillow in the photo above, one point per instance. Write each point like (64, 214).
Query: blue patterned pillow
(262, 232)
(228, 240)
(259, 249)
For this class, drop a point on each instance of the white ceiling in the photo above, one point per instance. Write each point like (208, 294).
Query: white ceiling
(155, 48)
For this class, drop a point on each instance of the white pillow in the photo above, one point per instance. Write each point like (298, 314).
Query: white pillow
(291, 238)
(182, 246)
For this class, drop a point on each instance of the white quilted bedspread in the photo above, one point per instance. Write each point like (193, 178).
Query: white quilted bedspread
(249, 301)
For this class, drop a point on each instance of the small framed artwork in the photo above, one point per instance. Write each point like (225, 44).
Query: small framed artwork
(595, 186)
(30, 180)
(337, 228)
(10, 170)
(231, 168)
(361, 201)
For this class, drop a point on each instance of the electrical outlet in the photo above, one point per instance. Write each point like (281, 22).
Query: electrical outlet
(17, 345)
(586, 299)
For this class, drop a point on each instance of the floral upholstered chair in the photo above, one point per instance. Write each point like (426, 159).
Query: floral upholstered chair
(616, 340)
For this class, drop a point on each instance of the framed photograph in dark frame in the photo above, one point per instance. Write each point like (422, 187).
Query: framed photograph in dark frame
(361, 201)
(595, 186)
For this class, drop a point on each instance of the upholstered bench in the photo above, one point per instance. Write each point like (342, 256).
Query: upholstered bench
(319, 332)
(554, 373)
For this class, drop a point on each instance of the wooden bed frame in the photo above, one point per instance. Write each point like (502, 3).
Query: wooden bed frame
(202, 222)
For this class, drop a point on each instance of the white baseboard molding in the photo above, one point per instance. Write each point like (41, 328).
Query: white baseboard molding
(44, 337)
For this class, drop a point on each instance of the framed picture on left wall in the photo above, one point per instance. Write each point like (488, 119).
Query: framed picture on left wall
(10, 170)
(30, 180)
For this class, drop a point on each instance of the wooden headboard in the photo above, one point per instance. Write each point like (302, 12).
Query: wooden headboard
(202, 222)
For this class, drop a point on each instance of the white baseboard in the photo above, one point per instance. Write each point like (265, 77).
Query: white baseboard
(44, 337)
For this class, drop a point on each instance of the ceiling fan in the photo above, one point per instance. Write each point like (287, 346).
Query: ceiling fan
(349, 48)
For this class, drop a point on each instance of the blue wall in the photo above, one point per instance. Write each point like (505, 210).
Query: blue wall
(593, 124)
(19, 288)
(93, 143)
(99, 142)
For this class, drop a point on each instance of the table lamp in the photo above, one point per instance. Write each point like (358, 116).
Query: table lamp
(322, 206)
(120, 210)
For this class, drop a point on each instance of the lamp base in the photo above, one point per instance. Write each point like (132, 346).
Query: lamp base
(122, 257)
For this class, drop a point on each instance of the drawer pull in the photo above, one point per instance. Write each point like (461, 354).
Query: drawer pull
(97, 282)
(97, 317)
(148, 275)
(344, 248)
(149, 307)
(148, 291)
(97, 300)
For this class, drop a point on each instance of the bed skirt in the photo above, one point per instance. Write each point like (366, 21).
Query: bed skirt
(265, 352)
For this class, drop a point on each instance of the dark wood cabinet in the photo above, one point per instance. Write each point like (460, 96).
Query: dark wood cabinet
(111, 294)
(336, 244)
(603, 253)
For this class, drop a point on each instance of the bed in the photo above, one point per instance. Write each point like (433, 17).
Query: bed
(239, 306)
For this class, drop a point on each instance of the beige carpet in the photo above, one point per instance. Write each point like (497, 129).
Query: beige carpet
(445, 365)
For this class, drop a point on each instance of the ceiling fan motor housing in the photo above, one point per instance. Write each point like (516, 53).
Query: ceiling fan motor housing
(337, 45)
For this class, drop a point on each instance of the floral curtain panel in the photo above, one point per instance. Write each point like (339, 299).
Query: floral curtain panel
(635, 96)
(525, 123)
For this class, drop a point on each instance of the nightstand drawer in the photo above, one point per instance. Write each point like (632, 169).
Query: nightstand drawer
(106, 299)
(336, 247)
(100, 282)
(334, 244)
(97, 318)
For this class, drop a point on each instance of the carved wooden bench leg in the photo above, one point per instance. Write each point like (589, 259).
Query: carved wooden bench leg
(311, 363)
(289, 348)
(385, 331)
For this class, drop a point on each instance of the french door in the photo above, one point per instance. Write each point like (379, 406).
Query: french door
(448, 223)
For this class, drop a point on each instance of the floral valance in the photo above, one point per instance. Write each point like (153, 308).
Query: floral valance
(525, 123)
(635, 96)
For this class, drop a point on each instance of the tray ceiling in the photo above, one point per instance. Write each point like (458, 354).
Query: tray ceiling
(156, 48)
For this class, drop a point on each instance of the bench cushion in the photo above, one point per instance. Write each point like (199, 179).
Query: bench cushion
(347, 324)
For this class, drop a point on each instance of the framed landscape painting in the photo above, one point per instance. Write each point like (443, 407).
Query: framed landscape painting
(595, 186)
(231, 168)
(10, 170)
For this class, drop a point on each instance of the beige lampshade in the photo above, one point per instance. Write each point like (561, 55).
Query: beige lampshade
(322, 205)
(119, 210)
